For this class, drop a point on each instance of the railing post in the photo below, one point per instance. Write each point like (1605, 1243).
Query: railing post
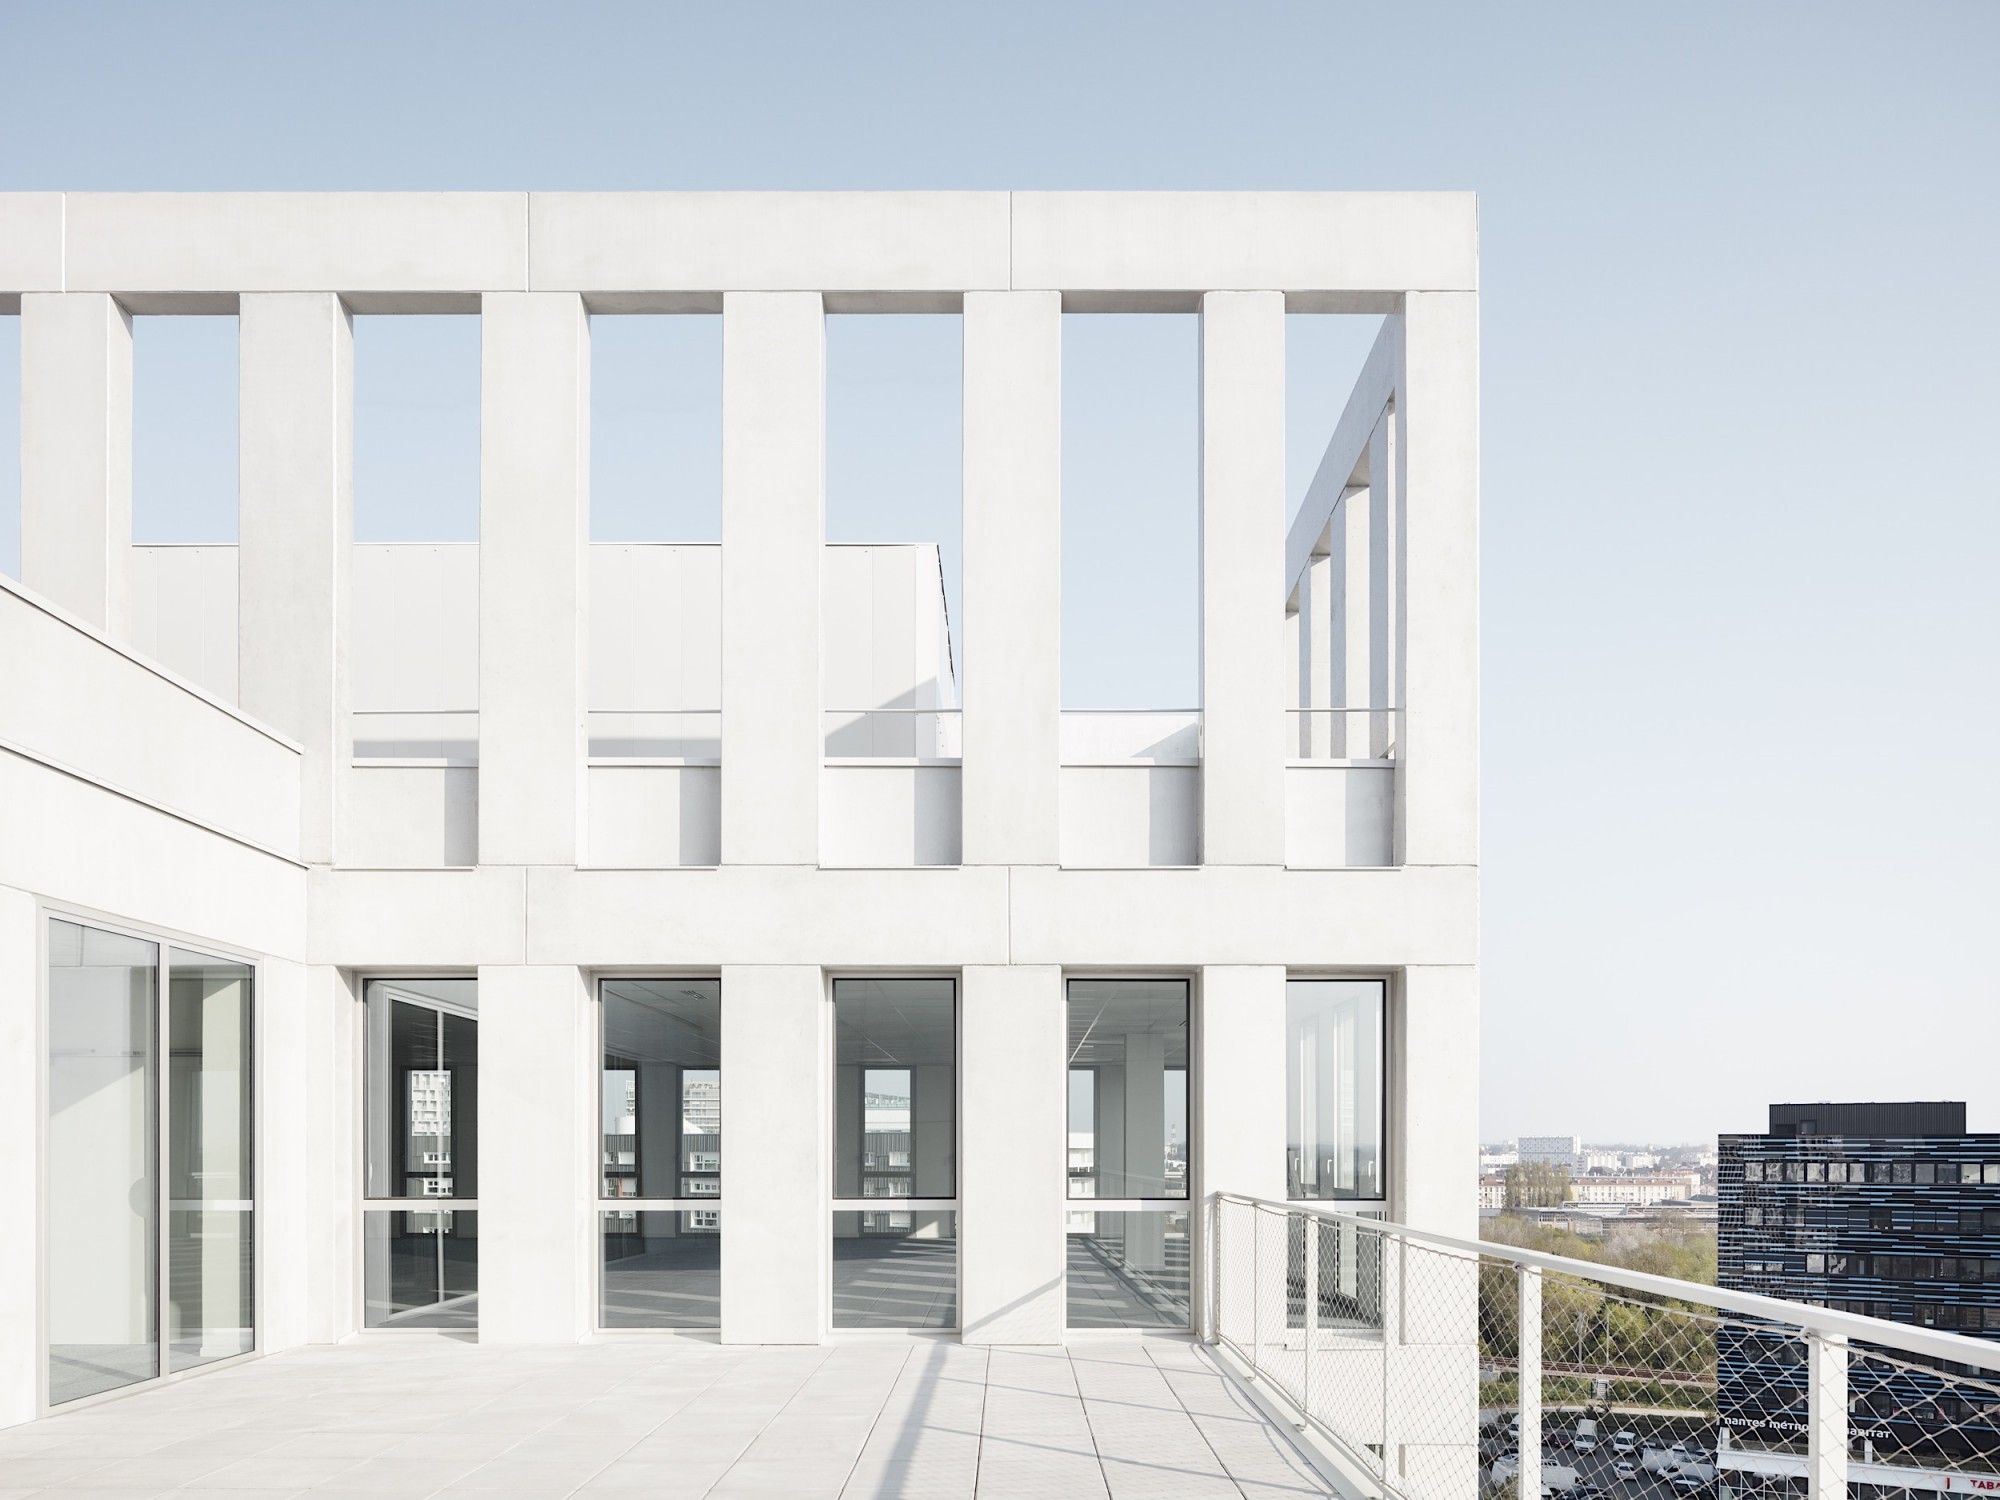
(1311, 1279)
(1826, 1416)
(1528, 1343)
(1256, 1283)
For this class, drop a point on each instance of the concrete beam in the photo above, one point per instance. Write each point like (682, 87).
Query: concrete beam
(771, 242)
(31, 246)
(1130, 244)
(296, 242)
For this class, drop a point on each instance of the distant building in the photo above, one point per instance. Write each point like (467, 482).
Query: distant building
(1887, 1210)
(1642, 1192)
(1560, 1150)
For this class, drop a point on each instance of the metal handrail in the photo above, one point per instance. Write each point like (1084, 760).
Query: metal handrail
(1826, 1321)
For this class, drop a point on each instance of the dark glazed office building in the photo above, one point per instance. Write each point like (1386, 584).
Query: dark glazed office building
(1887, 1210)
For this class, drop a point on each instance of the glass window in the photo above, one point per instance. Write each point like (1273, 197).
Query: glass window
(1128, 1139)
(103, 1162)
(1128, 1094)
(662, 1088)
(1334, 1088)
(420, 1264)
(662, 1269)
(1753, 1171)
(210, 1245)
(420, 1268)
(1129, 1270)
(423, 1088)
(895, 1138)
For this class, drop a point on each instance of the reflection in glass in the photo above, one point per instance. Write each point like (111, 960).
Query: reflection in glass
(420, 1268)
(895, 1269)
(1128, 1088)
(1333, 1096)
(662, 1269)
(1128, 1270)
(103, 1148)
(209, 1239)
(423, 1088)
(662, 1102)
(895, 1088)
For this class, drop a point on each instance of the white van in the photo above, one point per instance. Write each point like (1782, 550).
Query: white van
(1586, 1434)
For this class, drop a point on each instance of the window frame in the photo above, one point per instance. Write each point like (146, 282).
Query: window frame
(164, 940)
(602, 1204)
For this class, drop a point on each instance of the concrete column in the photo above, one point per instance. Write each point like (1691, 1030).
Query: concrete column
(534, 513)
(1437, 476)
(1144, 1138)
(776, 1241)
(1383, 528)
(283, 1040)
(536, 1215)
(1013, 577)
(331, 1091)
(1322, 630)
(1240, 1080)
(1357, 633)
(1014, 1155)
(20, 1155)
(295, 428)
(1243, 578)
(773, 525)
(76, 455)
(1434, 1100)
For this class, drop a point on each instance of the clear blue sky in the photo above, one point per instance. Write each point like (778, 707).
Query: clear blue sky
(1742, 368)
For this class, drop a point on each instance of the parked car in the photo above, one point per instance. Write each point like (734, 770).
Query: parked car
(1625, 1469)
(1625, 1441)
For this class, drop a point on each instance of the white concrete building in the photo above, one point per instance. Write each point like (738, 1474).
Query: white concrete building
(548, 939)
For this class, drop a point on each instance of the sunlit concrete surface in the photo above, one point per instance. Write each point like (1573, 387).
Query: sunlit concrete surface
(400, 1419)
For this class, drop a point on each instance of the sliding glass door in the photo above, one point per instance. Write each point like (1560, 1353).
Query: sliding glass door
(148, 1165)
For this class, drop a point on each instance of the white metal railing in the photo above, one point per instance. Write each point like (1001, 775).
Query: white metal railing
(443, 734)
(1130, 736)
(691, 734)
(1342, 733)
(894, 734)
(1434, 1366)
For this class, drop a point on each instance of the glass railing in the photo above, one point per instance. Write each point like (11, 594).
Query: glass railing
(1131, 736)
(450, 735)
(1341, 733)
(687, 734)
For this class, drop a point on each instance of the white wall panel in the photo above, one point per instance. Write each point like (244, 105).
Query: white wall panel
(184, 613)
(1116, 817)
(649, 817)
(410, 817)
(889, 816)
(1339, 817)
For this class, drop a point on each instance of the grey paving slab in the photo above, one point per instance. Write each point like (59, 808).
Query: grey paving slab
(424, 1419)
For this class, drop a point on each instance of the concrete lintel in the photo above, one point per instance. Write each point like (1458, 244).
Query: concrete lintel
(769, 241)
(133, 243)
(180, 304)
(411, 304)
(1302, 243)
(31, 245)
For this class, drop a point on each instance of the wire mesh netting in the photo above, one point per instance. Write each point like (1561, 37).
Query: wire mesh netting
(1407, 1358)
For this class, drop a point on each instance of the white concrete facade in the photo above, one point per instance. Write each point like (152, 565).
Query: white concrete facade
(233, 816)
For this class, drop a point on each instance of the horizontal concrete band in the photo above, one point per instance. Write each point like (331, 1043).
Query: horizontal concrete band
(677, 252)
(938, 918)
